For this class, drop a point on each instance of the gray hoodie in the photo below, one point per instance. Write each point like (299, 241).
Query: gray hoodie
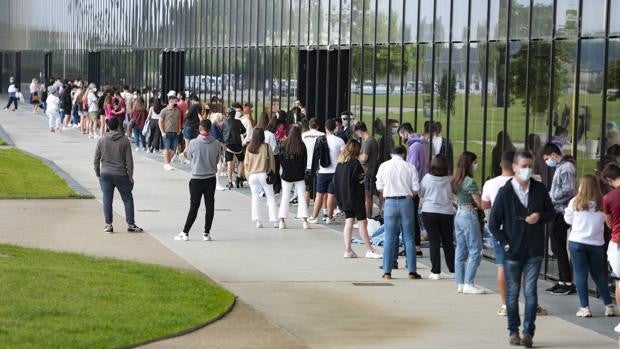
(204, 154)
(113, 155)
(563, 185)
(437, 195)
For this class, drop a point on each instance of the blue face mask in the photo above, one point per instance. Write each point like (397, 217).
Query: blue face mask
(551, 163)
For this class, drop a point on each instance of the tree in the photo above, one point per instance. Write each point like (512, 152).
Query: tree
(445, 99)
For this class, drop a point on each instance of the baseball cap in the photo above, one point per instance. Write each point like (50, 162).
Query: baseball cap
(171, 93)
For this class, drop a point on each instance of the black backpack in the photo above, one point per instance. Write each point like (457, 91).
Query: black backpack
(320, 155)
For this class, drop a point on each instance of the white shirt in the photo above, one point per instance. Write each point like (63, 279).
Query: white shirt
(437, 144)
(154, 115)
(12, 88)
(587, 226)
(309, 139)
(93, 107)
(52, 103)
(270, 139)
(247, 136)
(521, 193)
(335, 144)
(397, 177)
(492, 187)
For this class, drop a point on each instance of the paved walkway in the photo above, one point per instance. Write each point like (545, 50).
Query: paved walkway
(298, 279)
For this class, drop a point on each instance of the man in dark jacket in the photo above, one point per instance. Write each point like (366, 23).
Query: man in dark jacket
(518, 217)
(114, 168)
(232, 129)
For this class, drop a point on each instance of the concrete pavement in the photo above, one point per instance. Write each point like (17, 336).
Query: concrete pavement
(298, 279)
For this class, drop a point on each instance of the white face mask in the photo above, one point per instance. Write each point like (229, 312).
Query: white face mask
(237, 114)
(474, 167)
(525, 174)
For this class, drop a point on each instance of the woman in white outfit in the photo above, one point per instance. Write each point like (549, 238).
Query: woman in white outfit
(52, 111)
(259, 160)
(293, 157)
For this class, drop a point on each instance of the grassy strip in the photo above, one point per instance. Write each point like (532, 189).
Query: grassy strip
(25, 177)
(62, 300)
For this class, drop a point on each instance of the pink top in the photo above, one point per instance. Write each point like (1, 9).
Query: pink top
(108, 112)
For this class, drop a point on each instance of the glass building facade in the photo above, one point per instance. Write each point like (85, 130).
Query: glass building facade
(480, 67)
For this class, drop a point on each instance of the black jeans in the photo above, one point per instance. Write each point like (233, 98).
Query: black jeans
(416, 221)
(154, 141)
(108, 182)
(199, 188)
(277, 183)
(12, 100)
(440, 229)
(558, 246)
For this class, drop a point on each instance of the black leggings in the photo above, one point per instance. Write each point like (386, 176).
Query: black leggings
(154, 141)
(12, 100)
(440, 229)
(199, 188)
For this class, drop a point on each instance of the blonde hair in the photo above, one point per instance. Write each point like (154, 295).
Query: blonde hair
(215, 117)
(350, 151)
(589, 191)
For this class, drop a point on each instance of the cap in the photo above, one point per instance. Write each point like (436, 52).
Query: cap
(171, 93)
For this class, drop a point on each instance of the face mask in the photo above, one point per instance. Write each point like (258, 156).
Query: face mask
(237, 115)
(94, 90)
(174, 105)
(551, 163)
(525, 174)
(474, 167)
(394, 130)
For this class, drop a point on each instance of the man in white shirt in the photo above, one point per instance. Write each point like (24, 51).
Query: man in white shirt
(398, 181)
(93, 110)
(309, 139)
(325, 175)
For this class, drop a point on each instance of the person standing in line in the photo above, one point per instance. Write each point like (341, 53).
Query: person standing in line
(502, 144)
(114, 168)
(12, 90)
(93, 110)
(152, 120)
(204, 154)
(328, 150)
(309, 138)
(270, 138)
(129, 100)
(466, 225)
(293, 159)
(170, 126)
(436, 198)
(398, 180)
(563, 188)
(349, 188)
(35, 95)
(259, 161)
(518, 216)
(442, 145)
(192, 121)
(138, 120)
(586, 243)
(52, 110)
(611, 207)
(232, 131)
(369, 159)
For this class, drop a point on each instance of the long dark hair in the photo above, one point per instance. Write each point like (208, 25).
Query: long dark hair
(258, 139)
(463, 169)
(439, 166)
(293, 145)
(157, 105)
(263, 120)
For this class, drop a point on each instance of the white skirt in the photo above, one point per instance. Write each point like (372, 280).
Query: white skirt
(613, 257)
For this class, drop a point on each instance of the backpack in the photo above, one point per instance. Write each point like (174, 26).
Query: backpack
(320, 155)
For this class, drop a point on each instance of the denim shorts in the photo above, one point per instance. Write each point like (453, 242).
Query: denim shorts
(189, 133)
(499, 253)
(171, 140)
(325, 183)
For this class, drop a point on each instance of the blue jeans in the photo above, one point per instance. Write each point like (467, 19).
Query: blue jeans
(468, 246)
(398, 216)
(138, 137)
(593, 259)
(108, 182)
(530, 268)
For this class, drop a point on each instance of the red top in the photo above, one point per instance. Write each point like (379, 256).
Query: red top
(611, 204)
(139, 117)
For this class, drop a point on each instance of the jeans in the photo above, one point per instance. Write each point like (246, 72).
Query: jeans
(257, 182)
(154, 141)
(302, 207)
(440, 229)
(468, 245)
(398, 216)
(11, 100)
(199, 188)
(530, 268)
(558, 246)
(108, 182)
(589, 258)
(138, 138)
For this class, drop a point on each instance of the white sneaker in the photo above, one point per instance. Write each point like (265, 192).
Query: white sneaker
(373, 255)
(137, 148)
(329, 221)
(305, 225)
(259, 224)
(168, 167)
(584, 312)
(617, 328)
(610, 310)
(459, 288)
(502, 311)
(434, 276)
(181, 237)
(277, 225)
(312, 220)
(206, 237)
(282, 225)
(350, 254)
(356, 226)
(473, 289)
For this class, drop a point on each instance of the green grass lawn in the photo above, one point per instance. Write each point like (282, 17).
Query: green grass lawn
(25, 177)
(2, 141)
(65, 300)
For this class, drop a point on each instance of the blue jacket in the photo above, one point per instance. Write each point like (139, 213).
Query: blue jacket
(507, 222)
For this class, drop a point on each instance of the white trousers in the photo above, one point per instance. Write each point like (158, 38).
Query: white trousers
(302, 207)
(54, 118)
(257, 182)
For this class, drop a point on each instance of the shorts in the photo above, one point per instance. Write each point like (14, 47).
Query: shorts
(234, 150)
(325, 183)
(613, 257)
(499, 252)
(171, 140)
(190, 133)
(93, 116)
(359, 213)
(369, 185)
(310, 180)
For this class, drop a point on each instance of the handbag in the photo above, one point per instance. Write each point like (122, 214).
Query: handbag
(271, 176)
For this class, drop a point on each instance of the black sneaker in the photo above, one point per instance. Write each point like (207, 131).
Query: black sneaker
(553, 288)
(134, 229)
(419, 253)
(526, 341)
(571, 289)
(415, 276)
(108, 229)
(561, 290)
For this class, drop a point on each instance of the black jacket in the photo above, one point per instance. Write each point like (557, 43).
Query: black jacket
(507, 213)
(293, 166)
(349, 185)
(232, 129)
